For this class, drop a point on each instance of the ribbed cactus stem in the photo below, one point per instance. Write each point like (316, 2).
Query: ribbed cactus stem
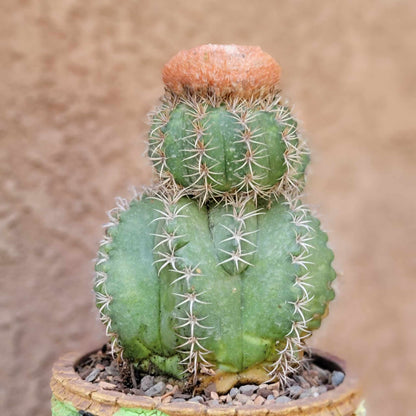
(210, 149)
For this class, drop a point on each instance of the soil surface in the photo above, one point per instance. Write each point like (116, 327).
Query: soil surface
(311, 380)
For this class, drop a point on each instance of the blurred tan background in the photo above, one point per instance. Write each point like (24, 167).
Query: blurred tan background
(76, 81)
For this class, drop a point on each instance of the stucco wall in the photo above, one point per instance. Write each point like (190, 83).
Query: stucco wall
(77, 79)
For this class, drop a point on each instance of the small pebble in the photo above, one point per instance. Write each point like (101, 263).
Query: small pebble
(314, 391)
(248, 389)
(146, 382)
(274, 386)
(263, 391)
(93, 375)
(337, 378)
(307, 393)
(295, 391)
(233, 392)
(259, 400)
(270, 397)
(321, 389)
(112, 371)
(178, 400)
(241, 398)
(214, 395)
(213, 403)
(283, 399)
(196, 399)
(157, 389)
(275, 393)
(208, 389)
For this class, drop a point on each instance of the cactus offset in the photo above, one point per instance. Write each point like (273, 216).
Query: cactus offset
(218, 272)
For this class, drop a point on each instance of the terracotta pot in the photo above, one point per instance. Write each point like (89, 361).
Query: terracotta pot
(73, 396)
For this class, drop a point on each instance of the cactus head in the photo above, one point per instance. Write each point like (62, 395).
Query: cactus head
(219, 272)
(222, 71)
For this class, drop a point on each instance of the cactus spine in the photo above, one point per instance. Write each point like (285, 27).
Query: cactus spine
(218, 271)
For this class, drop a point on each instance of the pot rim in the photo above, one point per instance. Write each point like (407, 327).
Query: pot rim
(68, 386)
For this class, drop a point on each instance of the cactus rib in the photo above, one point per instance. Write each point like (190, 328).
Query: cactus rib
(103, 299)
(165, 251)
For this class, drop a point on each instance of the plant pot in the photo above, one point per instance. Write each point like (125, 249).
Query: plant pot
(72, 396)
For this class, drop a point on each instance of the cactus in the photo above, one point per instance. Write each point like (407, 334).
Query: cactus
(218, 272)
(211, 147)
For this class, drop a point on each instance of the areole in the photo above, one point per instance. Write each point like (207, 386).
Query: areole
(73, 396)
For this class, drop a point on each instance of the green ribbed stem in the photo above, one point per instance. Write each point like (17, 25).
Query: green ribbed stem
(226, 285)
(227, 147)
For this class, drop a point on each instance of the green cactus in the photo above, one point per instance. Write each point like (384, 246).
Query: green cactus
(219, 268)
(211, 147)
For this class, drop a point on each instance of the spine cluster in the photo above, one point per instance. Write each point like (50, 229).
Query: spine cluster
(237, 238)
